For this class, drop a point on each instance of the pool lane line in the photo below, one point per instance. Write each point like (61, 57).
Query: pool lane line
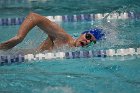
(72, 18)
(20, 58)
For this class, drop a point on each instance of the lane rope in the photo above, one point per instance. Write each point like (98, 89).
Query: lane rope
(72, 18)
(20, 58)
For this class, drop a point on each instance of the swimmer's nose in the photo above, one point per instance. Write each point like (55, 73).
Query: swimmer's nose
(88, 41)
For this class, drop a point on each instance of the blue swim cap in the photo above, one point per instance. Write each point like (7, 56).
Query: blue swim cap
(98, 33)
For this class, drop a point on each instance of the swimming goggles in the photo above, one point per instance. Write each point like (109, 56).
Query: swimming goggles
(89, 36)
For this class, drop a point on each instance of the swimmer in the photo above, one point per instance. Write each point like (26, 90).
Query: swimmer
(57, 37)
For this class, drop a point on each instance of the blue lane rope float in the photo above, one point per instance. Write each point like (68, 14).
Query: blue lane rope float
(71, 18)
(20, 58)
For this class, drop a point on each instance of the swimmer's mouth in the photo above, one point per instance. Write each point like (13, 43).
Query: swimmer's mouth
(82, 43)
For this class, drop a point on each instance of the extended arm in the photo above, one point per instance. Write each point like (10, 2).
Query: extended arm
(32, 20)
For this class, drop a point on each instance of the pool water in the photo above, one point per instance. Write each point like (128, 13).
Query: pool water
(80, 75)
(71, 76)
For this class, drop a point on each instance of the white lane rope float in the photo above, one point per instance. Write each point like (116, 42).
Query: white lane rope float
(20, 58)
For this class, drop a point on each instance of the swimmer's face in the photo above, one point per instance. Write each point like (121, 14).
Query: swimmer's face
(85, 39)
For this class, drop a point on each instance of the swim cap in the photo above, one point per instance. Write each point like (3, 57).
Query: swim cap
(96, 32)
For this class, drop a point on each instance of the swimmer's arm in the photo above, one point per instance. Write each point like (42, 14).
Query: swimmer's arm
(45, 45)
